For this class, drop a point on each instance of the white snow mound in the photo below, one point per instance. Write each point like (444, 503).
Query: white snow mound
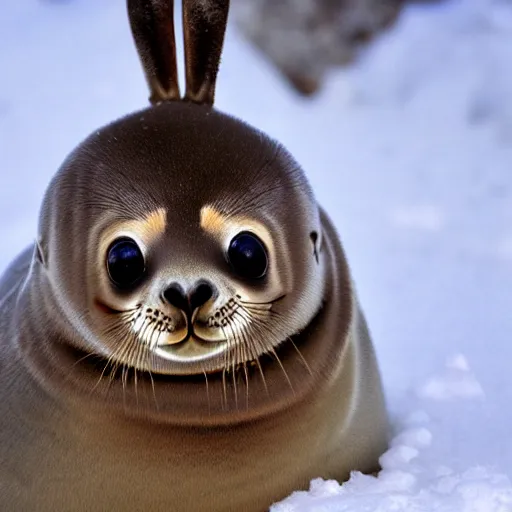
(416, 475)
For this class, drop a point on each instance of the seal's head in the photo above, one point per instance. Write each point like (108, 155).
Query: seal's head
(196, 242)
(181, 240)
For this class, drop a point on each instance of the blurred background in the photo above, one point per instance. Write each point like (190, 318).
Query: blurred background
(400, 114)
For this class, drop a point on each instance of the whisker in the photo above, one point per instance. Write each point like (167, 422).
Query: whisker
(147, 324)
(247, 353)
(262, 376)
(246, 387)
(235, 360)
(258, 321)
(274, 353)
(108, 364)
(260, 312)
(226, 365)
(224, 388)
(149, 353)
(233, 376)
(153, 388)
(123, 380)
(123, 354)
(250, 343)
(119, 326)
(86, 357)
(263, 326)
(134, 362)
(261, 347)
(244, 357)
(305, 363)
(207, 392)
(308, 368)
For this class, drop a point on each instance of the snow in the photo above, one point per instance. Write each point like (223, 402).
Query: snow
(409, 151)
(417, 472)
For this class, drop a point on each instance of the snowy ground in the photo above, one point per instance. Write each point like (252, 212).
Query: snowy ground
(411, 154)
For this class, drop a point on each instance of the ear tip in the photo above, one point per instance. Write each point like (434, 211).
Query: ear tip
(152, 26)
(204, 28)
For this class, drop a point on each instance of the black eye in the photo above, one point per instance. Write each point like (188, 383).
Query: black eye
(248, 256)
(125, 262)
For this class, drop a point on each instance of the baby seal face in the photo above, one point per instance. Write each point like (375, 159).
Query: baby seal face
(199, 246)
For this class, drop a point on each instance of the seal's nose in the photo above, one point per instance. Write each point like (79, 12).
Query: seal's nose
(199, 294)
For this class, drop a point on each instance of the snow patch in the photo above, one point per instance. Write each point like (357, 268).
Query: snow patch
(456, 382)
(409, 480)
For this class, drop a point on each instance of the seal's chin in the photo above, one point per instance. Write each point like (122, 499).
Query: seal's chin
(193, 350)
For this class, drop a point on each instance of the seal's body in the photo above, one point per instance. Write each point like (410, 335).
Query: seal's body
(154, 440)
(184, 335)
(59, 453)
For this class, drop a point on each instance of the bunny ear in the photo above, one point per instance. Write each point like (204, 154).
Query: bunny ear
(152, 24)
(204, 26)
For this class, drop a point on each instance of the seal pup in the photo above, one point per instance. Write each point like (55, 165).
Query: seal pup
(184, 334)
